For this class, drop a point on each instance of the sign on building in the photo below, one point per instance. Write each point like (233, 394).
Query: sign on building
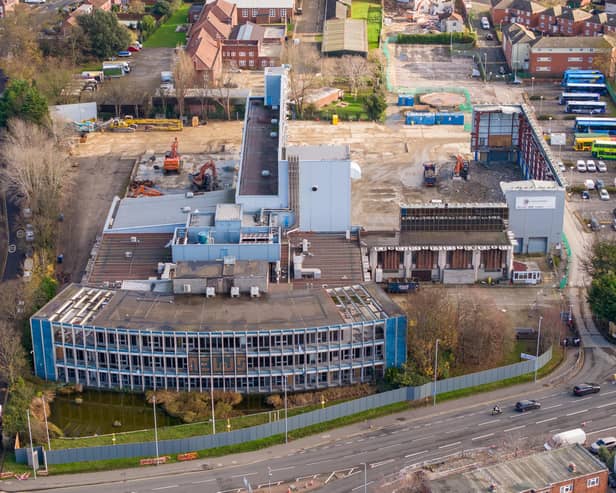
(558, 139)
(535, 202)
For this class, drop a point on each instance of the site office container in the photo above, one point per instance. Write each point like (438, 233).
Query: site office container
(446, 118)
(406, 100)
(420, 118)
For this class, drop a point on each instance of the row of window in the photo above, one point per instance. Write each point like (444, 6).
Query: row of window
(272, 12)
(590, 483)
(238, 53)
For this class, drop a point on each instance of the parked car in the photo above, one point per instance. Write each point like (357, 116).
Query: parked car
(133, 48)
(124, 53)
(603, 194)
(527, 405)
(611, 480)
(502, 70)
(599, 184)
(581, 166)
(561, 166)
(585, 195)
(590, 166)
(601, 167)
(607, 442)
(485, 23)
(586, 388)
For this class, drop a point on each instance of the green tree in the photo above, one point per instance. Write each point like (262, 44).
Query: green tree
(14, 417)
(161, 8)
(375, 105)
(23, 100)
(148, 24)
(602, 258)
(104, 35)
(602, 296)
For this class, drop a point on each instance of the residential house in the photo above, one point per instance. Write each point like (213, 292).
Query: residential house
(452, 23)
(524, 12)
(7, 6)
(571, 22)
(71, 21)
(517, 40)
(101, 4)
(561, 470)
(263, 11)
(194, 12)
(596, 25)
(609, 27)
(254, 46)
(548, 20)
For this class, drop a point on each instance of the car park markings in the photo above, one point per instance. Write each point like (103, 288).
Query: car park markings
(482, 436)
(577, 412)
(514, 428)
(546, 420)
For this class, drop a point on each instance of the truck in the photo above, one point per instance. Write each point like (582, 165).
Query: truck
(565, 438)
(402, 285)
(429, 174)
(115, 69)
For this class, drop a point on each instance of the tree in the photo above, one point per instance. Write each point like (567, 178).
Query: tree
(21, 99)
(20, 55)
(183, 77)
(104, 35)
(222, 92)
(355, 70)
(375, 105)
(203, 81)
(52, 78)
(148, 24)
(377, 65)
(136, 6)
(161, 8)
(117, 92)
(601, 258)
(304, 73)
(602, 296)
(12, 354)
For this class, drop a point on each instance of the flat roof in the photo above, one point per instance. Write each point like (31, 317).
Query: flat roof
(436, 239)
(533, 472)
(228, 212)
(322, 152)
(192, 270)
(530, 185)
(281, 308)
(260, 150)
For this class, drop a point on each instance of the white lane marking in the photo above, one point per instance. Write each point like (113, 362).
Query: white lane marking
(204, 481)
(382, 463)
(450, 445)
(362, 485)
(554, 430)
(483, 436)
(166, 487)
(552, 407)
(488, 422)
(390, 446)
(247, 474)
(420, 438)
(577, 412)
(546, 420)
(515, 428)
(601, 431)
(606, 405)
(608, 393)
(282, 469)
(318, 462)
(361, 439)
(416, 453)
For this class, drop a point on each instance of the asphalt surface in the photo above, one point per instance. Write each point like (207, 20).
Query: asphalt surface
(17, 248)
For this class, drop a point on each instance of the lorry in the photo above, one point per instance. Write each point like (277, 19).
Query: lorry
(565, 438)
(429, 174)
(115, 69)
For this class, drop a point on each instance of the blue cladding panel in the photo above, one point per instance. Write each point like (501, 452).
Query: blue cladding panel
(395, 342)
(404, 100)
(450, 118)
(42, 348)
(420, 119)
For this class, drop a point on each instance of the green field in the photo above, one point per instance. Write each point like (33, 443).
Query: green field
(165, 36)
(372, 13)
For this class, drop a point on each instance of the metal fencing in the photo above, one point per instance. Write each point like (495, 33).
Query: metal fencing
(172, 447)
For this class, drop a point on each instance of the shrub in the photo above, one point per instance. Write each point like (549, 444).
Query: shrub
(437, 38)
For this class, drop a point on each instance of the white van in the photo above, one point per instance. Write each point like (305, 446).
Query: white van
(564, 438)
(589, 184)
(485, 23)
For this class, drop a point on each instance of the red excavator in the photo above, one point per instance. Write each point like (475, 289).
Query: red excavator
(202, 180)
(173, 162)
(460, 170)
(143, 188)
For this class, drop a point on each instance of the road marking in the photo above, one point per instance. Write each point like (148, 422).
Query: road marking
(552, 407)
(204, 481)
(318, 462)
(577, 412)
(281, 469)
(546, 420)
(606, 405)
(166, 487)
(416, 453)
(362, 485)
(390, 446)
(601, 431)
(382, 463)
(450, 445)
(483, 436)
(247, 474)
(361, 440)
(515, 428)
(421, 438)
(488, 422)
(610, 392)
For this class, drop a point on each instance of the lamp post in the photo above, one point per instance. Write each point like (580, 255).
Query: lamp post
(31, 446)
(485, 66)
(155, 426)
(365, 477)
(269, 479)
(532, 86)
(286, 414)
(550, 126)
(537, 352)
(45, 415)
(435, 372)
(540, 105)
(213, 409)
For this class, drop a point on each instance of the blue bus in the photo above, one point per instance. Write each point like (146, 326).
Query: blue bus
(565, 97)
(585, 124)
(586, 107)
(582, 87)
(584, 79)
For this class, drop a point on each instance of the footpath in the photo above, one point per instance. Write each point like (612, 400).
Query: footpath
(486, 400)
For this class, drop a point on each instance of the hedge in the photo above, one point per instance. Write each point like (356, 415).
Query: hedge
(437, 38)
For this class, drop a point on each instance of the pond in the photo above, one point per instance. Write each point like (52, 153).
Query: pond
(99, 409)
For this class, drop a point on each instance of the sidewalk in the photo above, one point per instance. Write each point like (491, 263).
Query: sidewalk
(481, 401)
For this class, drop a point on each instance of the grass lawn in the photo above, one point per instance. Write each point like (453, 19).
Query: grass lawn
(354, 109)
(165, 36)
(371, 12)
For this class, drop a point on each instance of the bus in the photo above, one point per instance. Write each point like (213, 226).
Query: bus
(586, 107)
(584, 124)
(581, 87)
(584, 79)
(583, 142)
(604, 149)
(565, 97)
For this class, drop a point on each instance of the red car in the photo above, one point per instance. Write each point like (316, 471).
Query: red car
(133, 48)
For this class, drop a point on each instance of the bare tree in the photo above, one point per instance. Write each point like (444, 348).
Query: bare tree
(184, 77)
(20, 55)
(12, 354)
(305, 72)
(204, 84)
(222, 92)
(116, 92)
(356, 70)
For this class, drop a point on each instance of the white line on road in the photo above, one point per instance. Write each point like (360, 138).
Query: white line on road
(483, 436)
(362, 485)
(390, 446)
(318, 462)
(488, 422)
(382, 463)
(421, 438)
(450, 445)
(552, 407)
(546, 420)
(608, 393)
(515, 428)
(601, 431)
(204, 481)
(577, 412)
(282, 469)
(166, 487)
(247, 474)
(416, 453)
(605, 405)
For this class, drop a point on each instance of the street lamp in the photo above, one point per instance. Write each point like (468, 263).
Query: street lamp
(365, 477)
(435, 372)
(485, 66)
(540, 105)
(550, 126)
(532, 86)
(286, 414)
(155, 426)
(537, 352)
(213, 409)
(269, 479)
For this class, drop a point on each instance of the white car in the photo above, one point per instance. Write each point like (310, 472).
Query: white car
(485, 23)
(601, 167)
(34, 1)
(590, 166)
(603, 195)
(581, 166)
(561, 166)
(607, 442)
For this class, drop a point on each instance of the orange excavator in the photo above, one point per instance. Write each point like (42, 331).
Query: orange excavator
(173, 162)
(143, 188)
(202, 180)
(460, 171)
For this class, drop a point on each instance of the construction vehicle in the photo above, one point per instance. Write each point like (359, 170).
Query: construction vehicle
(143, 188)
(130, 124)
(173, 162)
(460, 171)
(429, 175)
(202, 180)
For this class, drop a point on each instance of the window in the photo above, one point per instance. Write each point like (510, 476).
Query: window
(242, 63)
(544, 69)
(544, 59)
(244, 12)
(242, 53)
(568, 488)
(251, 62)
(574, 59)
(272, 12)
(592, 482)
(255, 12)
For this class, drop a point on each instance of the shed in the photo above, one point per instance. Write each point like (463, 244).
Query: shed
(345, 37)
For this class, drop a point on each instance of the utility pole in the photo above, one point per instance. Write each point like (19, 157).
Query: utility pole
(435, 373)
(155, 426)
(537, 352)
(46, 425)
(213, 409)
(31, 446)
(365, 477)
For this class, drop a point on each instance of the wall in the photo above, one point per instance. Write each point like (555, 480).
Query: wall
(329, 207)
(170, 447)
(216, 251)
(75, 112)
(42, 349)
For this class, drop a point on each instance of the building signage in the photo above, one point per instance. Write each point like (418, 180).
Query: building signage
(558, 139)
(535, 202)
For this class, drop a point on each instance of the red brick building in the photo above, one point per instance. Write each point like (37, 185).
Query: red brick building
(7, 6)
(524, 12)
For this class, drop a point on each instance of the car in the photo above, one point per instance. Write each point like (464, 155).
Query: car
(527, 405)
(489, 37)
(586, 388)
(29, 232)
(611, 480)
(581, 166)
(133, 48)
(601, 167)
(124, 53)
(599, 184)
(604, 195)
(561, 166)
(607, 442)
(485, 23)
(590, 166)
(585, 195)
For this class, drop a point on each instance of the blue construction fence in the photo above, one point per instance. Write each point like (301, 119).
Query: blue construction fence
(179, 446)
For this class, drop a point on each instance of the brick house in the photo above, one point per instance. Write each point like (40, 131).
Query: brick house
(263, 11)
(517, 40)
(596, 25)
(100, 4)
(253, 46)
(571, 22)
(7, 6)
(609, 27)
(524, 12)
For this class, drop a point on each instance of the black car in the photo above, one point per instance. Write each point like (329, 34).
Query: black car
(611, 480)
(526, 405)
(586, 388)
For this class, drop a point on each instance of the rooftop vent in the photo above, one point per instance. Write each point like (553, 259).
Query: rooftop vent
(235, 292)
(133, 239)
(210, 292)
(254, 292)
(128, 254)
